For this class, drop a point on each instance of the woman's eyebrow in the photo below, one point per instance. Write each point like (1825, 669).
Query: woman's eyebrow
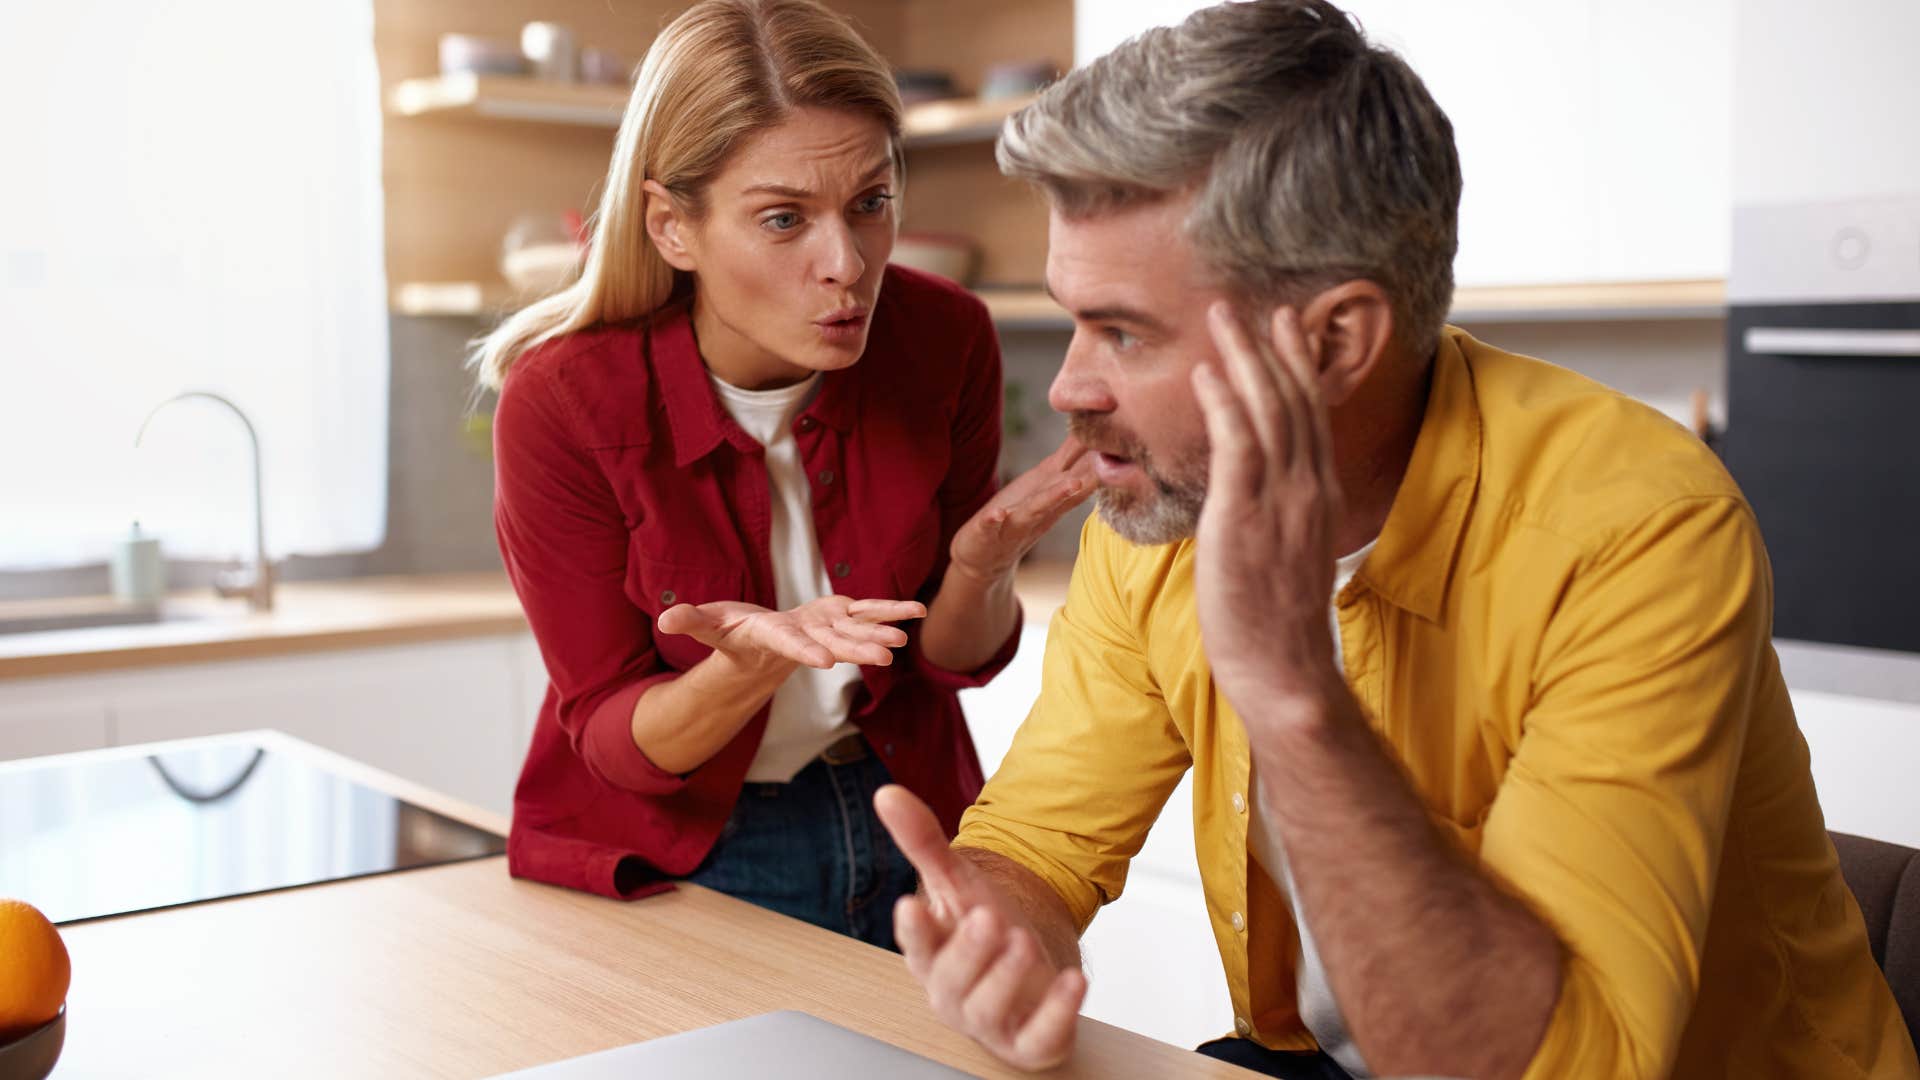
(790, 192)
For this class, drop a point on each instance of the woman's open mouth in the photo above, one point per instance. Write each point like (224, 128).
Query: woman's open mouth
(845, 327)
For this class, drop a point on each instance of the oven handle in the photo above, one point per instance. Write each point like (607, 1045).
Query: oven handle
(1796, 341)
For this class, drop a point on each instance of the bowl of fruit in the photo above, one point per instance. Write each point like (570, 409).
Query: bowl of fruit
(33, 992)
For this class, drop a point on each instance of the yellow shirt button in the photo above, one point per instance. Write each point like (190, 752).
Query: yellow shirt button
(1239, 924)
(1240, 1025)
(1239, 803)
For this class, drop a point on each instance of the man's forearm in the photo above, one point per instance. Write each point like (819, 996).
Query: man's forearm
(968, 620)
(1045, 913)
(1435, 969)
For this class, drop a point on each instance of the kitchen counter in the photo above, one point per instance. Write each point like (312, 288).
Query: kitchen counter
(321, 615)
(460, 971)
(307, 617)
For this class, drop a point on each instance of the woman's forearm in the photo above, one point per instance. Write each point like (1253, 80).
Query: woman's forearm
(968, 620)
(681, 723)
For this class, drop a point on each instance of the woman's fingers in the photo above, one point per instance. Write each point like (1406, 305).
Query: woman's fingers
(847, 650)
(689, 620)
(891, 637)
(886, 611)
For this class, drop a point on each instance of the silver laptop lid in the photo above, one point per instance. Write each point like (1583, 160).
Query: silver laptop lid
(791, 1045)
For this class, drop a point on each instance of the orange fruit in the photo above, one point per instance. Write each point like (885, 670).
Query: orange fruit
(34, 969)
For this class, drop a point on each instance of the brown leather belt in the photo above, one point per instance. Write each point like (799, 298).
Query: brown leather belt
(847, 750)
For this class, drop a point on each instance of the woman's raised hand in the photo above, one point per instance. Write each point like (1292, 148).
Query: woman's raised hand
(992, 542)
(824, 632)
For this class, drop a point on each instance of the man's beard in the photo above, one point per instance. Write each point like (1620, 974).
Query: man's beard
(1172, 512)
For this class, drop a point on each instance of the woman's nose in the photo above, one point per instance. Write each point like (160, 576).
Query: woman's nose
(842, 262)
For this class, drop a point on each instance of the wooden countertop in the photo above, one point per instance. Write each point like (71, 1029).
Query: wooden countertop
(307, 617)
(460, 971)
(321, 615)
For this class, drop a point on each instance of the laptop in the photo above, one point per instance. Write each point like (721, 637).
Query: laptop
(790, 1045)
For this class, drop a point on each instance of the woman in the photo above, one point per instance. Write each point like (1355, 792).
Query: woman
(735, 423)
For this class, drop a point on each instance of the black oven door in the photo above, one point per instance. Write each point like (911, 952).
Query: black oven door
(1823, 434)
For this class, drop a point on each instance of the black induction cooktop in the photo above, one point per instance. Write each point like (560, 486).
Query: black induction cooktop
(86, 837)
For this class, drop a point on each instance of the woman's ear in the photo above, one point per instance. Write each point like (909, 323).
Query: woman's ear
(1350, 330)
(667, 227)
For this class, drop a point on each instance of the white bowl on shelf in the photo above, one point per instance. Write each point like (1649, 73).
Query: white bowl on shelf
(936, 253)
(539, 269)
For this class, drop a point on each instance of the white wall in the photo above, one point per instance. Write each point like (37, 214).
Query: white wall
(1594, 135)
(1828, 100)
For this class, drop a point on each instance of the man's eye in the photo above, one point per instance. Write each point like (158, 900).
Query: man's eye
(1121, 340)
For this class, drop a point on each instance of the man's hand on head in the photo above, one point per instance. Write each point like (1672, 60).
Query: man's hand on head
(1264, 563)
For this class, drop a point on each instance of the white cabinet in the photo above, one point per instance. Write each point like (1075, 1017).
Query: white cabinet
(1594, 135)
(36, 723)
(1863, 752)
(452, 715)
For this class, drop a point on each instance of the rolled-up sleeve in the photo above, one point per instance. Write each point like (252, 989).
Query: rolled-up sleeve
(1611, 818)
(1093, 765)
(564, 542)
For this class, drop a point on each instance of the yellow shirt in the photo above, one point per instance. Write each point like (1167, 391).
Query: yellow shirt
(1564, 634)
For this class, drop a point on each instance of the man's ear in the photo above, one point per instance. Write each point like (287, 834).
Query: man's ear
(1350, 331)
(667, 227)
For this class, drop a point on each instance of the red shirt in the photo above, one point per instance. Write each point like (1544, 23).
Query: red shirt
(623, 487)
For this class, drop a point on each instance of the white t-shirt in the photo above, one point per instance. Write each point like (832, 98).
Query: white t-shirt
(810, 708)
(1318, 1010)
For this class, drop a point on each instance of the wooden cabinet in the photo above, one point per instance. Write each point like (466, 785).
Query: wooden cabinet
(465, 157)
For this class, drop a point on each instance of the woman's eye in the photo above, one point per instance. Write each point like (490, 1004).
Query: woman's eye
(781, 222)
(873, 204)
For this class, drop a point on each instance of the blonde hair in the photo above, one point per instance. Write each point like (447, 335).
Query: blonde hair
(718, 73)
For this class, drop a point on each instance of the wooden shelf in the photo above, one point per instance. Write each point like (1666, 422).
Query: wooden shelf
(450, 298)
(1025, 308)
(509, 98)
(1032, 309)
(959, 120)
(1611, 301)
(1619, 301)
(503, 97)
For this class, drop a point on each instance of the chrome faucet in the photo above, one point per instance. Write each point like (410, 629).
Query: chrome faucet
(257, 587)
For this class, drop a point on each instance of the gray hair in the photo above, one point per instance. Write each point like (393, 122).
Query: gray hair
(1315, 156)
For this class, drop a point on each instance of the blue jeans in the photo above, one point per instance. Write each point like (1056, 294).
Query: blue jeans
(813, 849)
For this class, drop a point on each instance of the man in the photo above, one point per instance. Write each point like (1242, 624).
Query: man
(1495, 774)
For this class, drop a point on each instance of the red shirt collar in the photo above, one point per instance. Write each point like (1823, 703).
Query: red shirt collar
(698, 421)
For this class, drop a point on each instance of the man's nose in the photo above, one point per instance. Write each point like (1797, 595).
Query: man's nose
(1079, 387)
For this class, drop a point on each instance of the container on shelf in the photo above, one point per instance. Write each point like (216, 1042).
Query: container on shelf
(469, 54)
(946, 254)
(551, 50)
